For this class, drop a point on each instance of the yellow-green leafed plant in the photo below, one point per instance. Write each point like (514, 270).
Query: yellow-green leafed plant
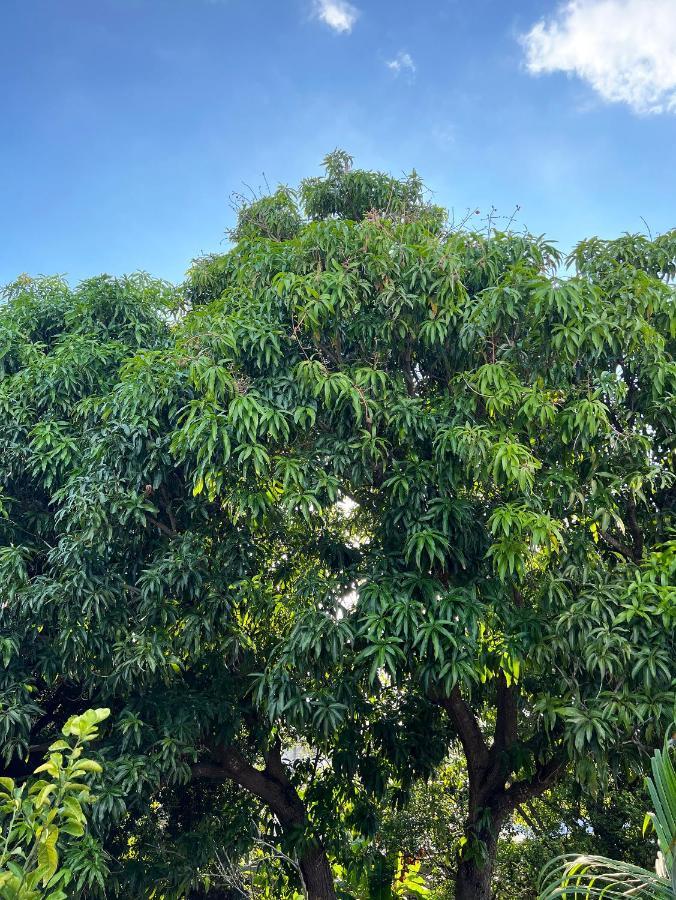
(40, 815)
(586, 877)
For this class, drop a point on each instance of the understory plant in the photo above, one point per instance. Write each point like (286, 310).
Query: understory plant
(45, 812)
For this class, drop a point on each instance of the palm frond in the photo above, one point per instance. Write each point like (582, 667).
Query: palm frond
(585, 877)
(662, 790)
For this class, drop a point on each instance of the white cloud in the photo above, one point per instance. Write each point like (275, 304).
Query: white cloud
(625, 49)
(402, 62)
(337, 14)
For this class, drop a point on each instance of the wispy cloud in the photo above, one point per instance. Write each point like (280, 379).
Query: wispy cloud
(402, 62)
(625, 49)
(337, 14)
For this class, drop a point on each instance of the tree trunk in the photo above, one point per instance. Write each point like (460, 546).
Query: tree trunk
(475, 871)
(488, 810)
(317, 874)
(472, 882)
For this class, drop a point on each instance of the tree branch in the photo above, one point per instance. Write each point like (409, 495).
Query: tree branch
(273, 762)
(545, 775)
(469, 732)
(209, 771)
(623, 549)
(167, 506)
(162, 527)
(271, 784)
(634, 530)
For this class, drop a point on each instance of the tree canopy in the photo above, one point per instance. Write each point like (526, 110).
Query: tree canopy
(366, 488)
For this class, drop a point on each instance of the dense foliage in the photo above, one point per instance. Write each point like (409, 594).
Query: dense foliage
(365, 491)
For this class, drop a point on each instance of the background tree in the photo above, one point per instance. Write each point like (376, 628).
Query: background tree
(569, 820)
(588, 876)
(141, 588)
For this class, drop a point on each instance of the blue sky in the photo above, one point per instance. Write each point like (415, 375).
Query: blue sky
(126, 124)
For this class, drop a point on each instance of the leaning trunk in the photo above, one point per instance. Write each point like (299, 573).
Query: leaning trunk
(274, 787)
(317, 874)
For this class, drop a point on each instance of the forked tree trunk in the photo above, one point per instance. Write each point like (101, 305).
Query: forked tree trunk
(492, 795)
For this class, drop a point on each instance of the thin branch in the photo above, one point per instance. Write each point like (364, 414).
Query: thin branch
(623, 549)
(634, 530)
(162, 527)
(168, 508)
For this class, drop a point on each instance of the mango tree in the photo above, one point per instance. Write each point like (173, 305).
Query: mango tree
(370, 486)
(499, 435)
